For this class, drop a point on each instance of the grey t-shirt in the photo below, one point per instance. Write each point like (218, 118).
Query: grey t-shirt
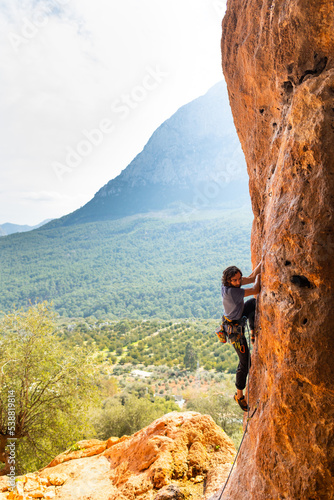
(233, 301)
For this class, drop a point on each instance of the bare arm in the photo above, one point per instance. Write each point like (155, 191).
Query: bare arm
(251, 278)
(254, 290)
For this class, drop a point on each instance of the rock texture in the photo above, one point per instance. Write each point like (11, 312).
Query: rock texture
(171, 459)
(278, 61)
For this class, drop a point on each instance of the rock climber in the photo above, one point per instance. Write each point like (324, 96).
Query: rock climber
(234, 309)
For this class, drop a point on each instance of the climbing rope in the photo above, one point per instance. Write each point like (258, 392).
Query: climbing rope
(248, 419)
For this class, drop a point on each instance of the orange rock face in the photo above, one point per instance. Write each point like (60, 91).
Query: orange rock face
(278, 61)
(171, 459)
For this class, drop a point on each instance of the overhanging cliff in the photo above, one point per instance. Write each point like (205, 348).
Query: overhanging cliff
(278, 61)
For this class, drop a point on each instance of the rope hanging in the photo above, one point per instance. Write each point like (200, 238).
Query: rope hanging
(248, 419)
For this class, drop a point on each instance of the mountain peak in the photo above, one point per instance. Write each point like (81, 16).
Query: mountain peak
(189, 147)
(193, 155)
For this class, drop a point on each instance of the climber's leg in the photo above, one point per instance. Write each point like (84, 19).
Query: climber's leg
(242, 351)
(249, 312)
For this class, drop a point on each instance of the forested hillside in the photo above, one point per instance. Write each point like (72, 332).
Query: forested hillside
(160, 265)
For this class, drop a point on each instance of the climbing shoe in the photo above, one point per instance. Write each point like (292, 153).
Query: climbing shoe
(241, 402)
(252, 337)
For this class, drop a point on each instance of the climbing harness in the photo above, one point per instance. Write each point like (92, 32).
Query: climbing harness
(249, 417)
(232, 331)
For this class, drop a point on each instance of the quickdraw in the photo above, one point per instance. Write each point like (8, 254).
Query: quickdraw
(239, 346)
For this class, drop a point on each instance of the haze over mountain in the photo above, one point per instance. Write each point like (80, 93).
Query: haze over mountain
(193, 160)
(8, 228)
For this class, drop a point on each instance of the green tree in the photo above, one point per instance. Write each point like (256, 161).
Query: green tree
(223, 411)
(45, 389)
(190, 357)
(128, 414)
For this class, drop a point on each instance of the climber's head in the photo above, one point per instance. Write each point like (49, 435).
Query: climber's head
(232, 277)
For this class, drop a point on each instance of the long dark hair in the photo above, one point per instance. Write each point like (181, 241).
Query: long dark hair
(228, 274)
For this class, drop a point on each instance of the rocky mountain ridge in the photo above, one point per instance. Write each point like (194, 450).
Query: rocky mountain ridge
(209, 146)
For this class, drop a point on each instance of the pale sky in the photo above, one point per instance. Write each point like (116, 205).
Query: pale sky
(84, 84)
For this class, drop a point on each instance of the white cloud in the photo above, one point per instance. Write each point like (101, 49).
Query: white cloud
(70, 60)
